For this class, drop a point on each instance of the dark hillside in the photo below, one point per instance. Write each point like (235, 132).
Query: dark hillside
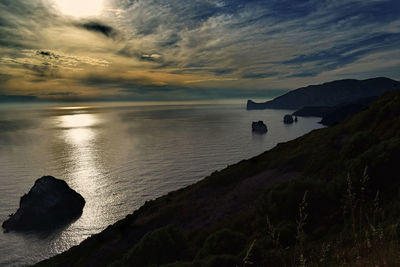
(335, 114)
(222, 220)
(329, 94)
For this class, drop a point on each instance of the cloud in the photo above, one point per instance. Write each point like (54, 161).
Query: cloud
(47, 54)
(151, 57)
(44, 63)
(62, 94)
(259, 75)
(100, 28)
(21, 22)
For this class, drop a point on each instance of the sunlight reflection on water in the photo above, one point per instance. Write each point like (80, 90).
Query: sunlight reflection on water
(77, 120)
(79, 135)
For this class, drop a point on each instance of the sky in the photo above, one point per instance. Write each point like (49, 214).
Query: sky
(152, 50)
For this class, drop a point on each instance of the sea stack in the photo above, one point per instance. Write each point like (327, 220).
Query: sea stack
(288, 119)
(50, 203)
(259, 127)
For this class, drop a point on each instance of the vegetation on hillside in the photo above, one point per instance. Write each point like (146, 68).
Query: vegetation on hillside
(329, 198)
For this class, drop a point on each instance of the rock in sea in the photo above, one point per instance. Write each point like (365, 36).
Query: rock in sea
(259, 127)
(49, 204)
(288, 119)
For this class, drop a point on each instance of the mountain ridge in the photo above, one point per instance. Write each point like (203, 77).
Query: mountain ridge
(328, 94)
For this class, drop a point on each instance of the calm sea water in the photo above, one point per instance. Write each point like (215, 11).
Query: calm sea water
(118, 156)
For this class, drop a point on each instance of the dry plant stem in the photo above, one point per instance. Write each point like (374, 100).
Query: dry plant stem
(351, 204)
(363, 185)
(300, 237)
(246, 260)
(273, 234)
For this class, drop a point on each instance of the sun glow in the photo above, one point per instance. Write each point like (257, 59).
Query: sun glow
(79, 8)
(77, 121)
(78, 128)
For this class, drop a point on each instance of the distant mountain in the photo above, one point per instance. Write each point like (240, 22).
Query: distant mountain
(329, 94)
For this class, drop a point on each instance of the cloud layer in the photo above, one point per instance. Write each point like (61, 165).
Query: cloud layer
(176, 49)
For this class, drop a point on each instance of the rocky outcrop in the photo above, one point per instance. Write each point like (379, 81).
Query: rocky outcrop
(288, 119)
(49, 203)
(259, 127)
(253, 105)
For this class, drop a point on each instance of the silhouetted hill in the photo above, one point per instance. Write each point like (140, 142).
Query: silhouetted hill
(327, 198)
(329, 94)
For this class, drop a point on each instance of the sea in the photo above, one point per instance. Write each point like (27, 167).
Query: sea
(119, 155)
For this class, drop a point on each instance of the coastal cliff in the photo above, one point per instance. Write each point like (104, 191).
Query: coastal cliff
(290, 197)
(329, 94)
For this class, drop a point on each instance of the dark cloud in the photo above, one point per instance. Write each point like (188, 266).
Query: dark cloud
(61, 94)
(303, 74)
(259, 75)
(215, 71)
(47, 54)
(151, 57)
(223, 71)
(99, 27)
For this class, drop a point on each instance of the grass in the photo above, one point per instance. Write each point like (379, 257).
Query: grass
(366, 237)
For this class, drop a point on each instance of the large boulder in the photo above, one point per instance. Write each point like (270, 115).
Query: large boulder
(259, 127)
(288, 119)
(50, 203)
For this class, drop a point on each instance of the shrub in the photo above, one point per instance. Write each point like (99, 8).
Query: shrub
(223, 241)
(161, 246)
